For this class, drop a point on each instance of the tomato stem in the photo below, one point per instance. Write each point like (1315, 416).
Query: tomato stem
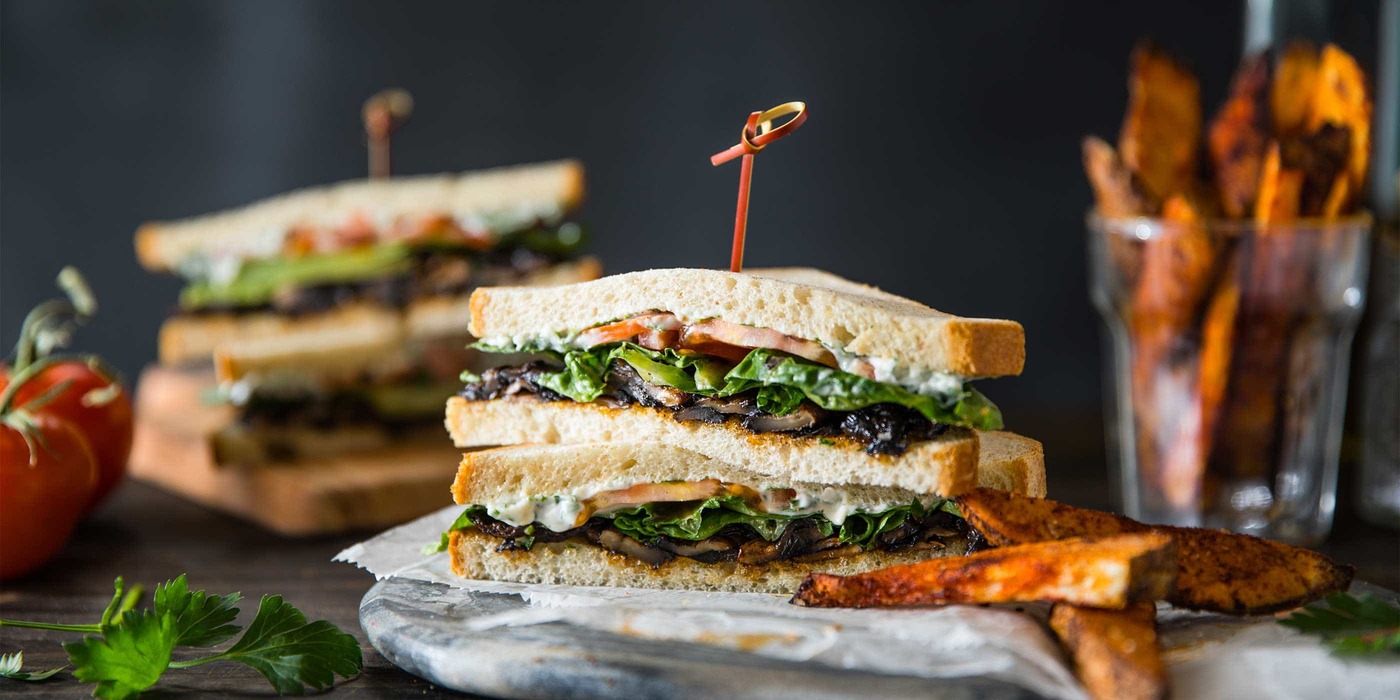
(47, 325)
(25, 374)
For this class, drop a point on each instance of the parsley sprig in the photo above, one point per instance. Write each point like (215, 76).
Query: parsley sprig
(1349, 624)
(128, 650)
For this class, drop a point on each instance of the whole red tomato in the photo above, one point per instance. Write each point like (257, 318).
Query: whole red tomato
(41, 502)
(106, 425)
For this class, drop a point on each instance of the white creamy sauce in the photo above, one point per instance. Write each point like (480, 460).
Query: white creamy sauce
(560, 512)
(558, 342)
(918, 380)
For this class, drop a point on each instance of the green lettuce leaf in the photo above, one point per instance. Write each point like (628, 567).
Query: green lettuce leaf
(835, 390)
(699, 520)
(782, 382)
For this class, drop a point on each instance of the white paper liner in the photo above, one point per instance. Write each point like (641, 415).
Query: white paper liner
(1208, 656)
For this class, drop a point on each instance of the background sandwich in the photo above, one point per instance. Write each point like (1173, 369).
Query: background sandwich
(794, 371)
(656, 516)
(323, 327)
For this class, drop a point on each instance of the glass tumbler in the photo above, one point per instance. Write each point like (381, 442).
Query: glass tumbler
(1227, 367)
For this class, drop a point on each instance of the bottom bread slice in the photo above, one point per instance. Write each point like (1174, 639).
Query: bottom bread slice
(946, 465)
(581, 563)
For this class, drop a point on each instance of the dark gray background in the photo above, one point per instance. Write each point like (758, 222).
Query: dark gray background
(940, 162)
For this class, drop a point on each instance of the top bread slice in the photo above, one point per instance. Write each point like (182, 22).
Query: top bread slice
(258, 230)
(801, 302)
(529, 471)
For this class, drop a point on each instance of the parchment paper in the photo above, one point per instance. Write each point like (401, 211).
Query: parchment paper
(1209, 656)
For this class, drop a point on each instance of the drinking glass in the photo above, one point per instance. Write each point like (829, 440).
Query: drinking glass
(1227, 372)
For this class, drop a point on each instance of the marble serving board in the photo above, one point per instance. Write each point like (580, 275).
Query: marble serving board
(425, 629)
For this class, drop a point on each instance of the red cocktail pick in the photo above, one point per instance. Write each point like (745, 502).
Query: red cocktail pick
(758, 132)
(383, 114)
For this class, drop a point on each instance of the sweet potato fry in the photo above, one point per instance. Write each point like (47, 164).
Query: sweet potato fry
(1115, 193)
(1337, 198)
(1260, 330)
(1114, 652)
(1106, 572)
(1160, 132)
(1239, 135)
(1177, 268)
(1320, 156)
(1295, 81)
(1340, 98)
(1279, 189)
(1217, 571)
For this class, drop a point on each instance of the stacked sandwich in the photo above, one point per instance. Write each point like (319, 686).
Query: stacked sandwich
(322, 328)
(719, 431)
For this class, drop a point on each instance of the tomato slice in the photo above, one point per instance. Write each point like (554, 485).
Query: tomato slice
(714, 331)
(628, 329)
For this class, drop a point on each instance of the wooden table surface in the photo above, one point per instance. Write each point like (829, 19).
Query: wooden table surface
(148, 536)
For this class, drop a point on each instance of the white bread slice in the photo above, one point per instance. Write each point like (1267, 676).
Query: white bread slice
(519, 472)
(262, 337)
(259, 230)
(474, 556)
(945, 466)
(804, 303)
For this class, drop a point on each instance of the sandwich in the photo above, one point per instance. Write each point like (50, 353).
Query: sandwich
(795, 372)
(326, 325)
(651, 515)
(721, 431)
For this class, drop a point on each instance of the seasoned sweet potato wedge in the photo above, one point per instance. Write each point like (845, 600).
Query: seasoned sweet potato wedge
(1295, 81)
(1320, 156)
(1239, 135)
(1115, 193)
(1217, 571)
(1177, 268)
(1161, 129)
(1279, 190)
(1341, 99)
(1114, 652)
(1312, 89)
(1107, 572)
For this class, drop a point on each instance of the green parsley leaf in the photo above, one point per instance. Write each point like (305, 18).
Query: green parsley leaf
(1350, 624)
(291, 653)
(10, 665)
(201, 620)
(128, 658)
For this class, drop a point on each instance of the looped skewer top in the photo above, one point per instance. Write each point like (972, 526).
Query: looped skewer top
(758, 132)
(383, 114)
